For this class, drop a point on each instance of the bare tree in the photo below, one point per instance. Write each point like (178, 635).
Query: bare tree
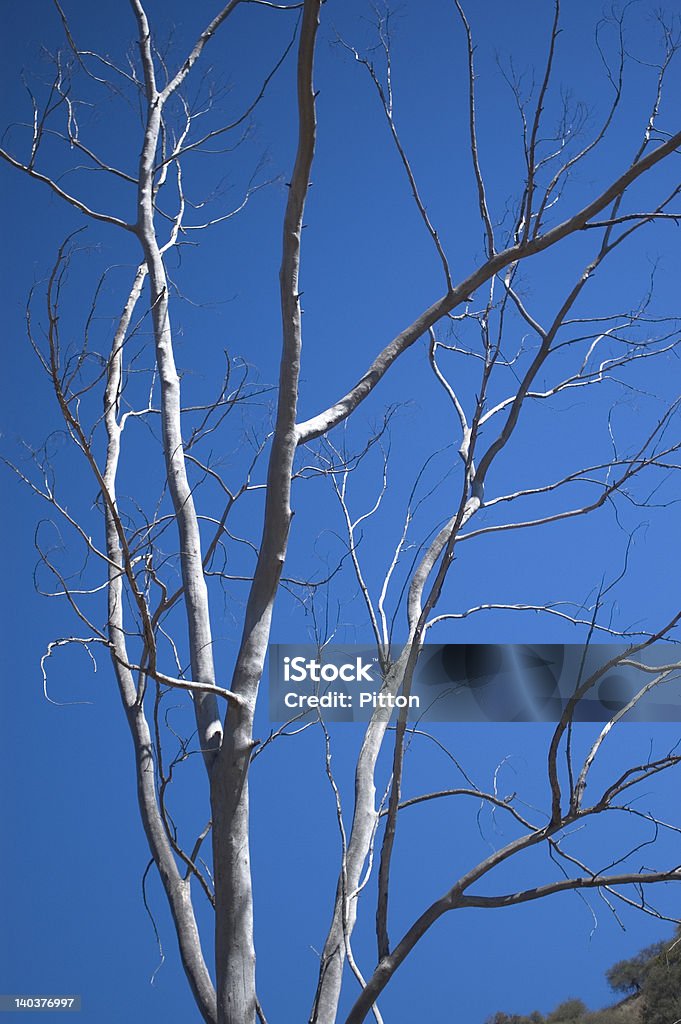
(161, 557)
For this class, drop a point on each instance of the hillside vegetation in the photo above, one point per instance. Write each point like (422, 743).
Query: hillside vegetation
(649, 982)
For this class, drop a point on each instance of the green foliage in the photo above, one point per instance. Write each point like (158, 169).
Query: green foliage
(651, 979)
(514, 1018)
(570, 1010)
(661, 992)
(629, 975)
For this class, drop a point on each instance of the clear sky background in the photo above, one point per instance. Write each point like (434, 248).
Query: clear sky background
(73, 853)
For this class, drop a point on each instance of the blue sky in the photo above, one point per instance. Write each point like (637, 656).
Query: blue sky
(73, 850)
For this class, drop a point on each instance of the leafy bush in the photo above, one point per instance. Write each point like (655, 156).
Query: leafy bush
(570, 1010)
(505, 1018)
(661, 992)
(629, 975)
(651, 979)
